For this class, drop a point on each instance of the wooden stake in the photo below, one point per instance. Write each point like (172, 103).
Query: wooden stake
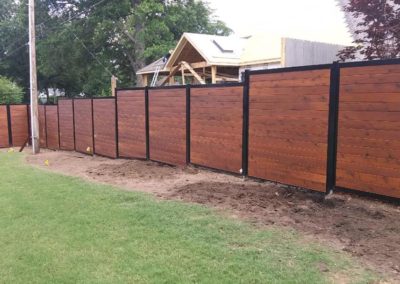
(33, 80)
(113, 85)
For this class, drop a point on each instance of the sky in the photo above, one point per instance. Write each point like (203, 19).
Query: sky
(318, 20)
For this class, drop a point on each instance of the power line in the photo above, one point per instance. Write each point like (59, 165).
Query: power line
(13, 52)
(55, 28)
(92, 54)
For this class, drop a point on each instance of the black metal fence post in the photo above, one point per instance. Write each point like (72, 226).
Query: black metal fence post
(9, 124)
(28, 113)
(146, 99)
(245, 134)
(187, 124)
(333, 127)
(93, 130)
(73, 122)
(58, 126)
(45, 124)
(116, 125)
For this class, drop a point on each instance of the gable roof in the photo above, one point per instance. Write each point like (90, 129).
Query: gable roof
(229, 50)
(223, 51)
(151, 68)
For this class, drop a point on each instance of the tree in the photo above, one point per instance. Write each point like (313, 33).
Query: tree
(378, 29)
(10, 92)
(114, 37)
(80, 44)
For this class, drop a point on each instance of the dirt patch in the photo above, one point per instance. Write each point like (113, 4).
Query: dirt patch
(366, 228)
(137, 175)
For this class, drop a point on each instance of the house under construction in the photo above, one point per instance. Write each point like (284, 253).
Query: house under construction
(204, 59)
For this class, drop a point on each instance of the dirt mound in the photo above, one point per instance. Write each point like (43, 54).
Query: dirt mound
(136, 169)
(366, 228)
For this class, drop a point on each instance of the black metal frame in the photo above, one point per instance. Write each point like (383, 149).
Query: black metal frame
(73, 121)
(9, 124)
(245, 126)
(188, 124)
(223, 85)
(116, 125)
(58, 126)
(333, 128)
(28, 114)
(146, 102)
(290, 69)
(393, 61)
(45, 124)
(93, 131)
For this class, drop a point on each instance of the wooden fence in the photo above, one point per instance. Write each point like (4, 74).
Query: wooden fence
(317, 127)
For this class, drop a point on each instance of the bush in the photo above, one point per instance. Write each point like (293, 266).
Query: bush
(10, 92)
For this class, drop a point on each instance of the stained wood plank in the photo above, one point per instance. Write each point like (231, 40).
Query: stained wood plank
(83, 126)
(131, 123)
(105, 135)
(52, 127)
(66, 116)
(288, 127)
(167, 119)
(216, 127)
(42, 126)
(19, 124)
(4, 141)
(369, 123)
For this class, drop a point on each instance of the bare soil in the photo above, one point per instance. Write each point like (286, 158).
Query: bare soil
(367, 228)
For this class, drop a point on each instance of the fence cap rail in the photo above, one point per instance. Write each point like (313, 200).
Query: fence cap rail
(392, 61)
(21, 104)
(291, 69)
(103, 98)
(131, 89)
(223, 85)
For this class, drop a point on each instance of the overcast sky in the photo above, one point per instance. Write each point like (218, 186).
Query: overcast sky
(319, 20)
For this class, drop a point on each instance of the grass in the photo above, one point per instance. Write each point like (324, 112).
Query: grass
(60, 229)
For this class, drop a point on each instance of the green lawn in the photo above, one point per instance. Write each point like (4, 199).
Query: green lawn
(60, 229)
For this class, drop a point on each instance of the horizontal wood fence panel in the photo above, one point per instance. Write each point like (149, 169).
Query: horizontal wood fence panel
(42, 126)
(4, 139)
(19, 124)
(288, 127)
(216, 130)
(105, 132)
(131, 123)
(83, 126)
(52, 127)
(167, 121)
(66, 122)
(369, 125)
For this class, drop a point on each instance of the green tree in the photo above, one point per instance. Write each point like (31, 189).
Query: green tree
(80, 44)
(10, 92)
(378, 29)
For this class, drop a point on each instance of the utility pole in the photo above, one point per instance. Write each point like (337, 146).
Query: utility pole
(33, 80)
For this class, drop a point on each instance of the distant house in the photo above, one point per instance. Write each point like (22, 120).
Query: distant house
(202, 59)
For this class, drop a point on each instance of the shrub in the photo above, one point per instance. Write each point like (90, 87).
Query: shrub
(10, 92)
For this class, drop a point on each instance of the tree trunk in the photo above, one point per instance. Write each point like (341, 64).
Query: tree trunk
(139, 62)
